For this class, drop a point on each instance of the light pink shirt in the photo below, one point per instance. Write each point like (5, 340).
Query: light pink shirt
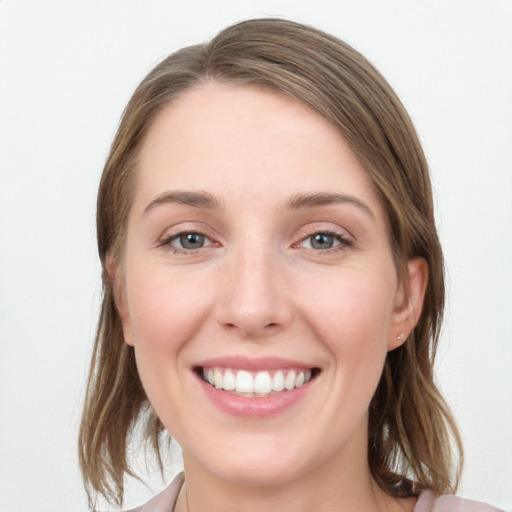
(427, 502)
(165, 501)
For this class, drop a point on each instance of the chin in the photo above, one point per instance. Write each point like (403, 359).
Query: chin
(253, 465)
(257, 473)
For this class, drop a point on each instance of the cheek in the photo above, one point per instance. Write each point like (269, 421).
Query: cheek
(353, 319)
(164, 314)
(351, 305)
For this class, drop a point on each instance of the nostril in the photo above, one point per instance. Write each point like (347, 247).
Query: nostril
(252, 328)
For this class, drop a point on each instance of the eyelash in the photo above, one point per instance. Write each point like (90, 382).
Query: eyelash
(344, 242)
(166, 242)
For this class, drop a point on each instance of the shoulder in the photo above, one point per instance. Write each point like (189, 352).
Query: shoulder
(164, 501)
(427, 502)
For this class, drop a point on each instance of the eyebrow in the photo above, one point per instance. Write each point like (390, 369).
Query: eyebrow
(310, 200)
(297, 201)
(195, 199)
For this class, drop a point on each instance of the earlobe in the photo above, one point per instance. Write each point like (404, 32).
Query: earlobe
(409, 302)
(118, 290)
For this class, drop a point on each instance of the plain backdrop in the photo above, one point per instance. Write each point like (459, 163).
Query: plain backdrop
(66, 71)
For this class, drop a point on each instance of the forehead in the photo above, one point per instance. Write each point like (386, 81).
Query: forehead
(246, 141)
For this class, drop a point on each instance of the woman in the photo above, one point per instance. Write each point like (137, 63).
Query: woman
(273, 285)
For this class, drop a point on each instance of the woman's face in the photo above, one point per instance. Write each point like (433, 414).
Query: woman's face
(257, 255)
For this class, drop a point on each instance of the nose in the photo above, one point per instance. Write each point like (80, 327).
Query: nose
(254, 299)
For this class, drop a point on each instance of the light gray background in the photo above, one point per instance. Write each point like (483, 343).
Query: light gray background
(66, 71)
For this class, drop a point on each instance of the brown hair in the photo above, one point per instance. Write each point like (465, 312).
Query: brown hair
(412, 435)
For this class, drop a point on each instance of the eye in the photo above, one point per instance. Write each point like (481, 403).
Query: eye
(322, 241)
(187, 241)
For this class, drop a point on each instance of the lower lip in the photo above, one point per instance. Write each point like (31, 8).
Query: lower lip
(256, 407)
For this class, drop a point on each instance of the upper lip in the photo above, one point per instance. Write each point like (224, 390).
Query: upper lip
(253, 364)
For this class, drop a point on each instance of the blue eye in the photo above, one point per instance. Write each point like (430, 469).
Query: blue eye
(322, 241)
(191, 240)
(188, 241)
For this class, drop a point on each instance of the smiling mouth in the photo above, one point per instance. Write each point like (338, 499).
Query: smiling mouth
(256, 384)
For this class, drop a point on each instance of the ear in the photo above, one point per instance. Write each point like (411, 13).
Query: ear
(115, 276)
(408, 302)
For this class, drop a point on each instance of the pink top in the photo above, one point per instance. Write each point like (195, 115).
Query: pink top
(165, 501)
(427, 502)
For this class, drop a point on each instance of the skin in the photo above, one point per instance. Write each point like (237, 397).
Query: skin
(258, 288)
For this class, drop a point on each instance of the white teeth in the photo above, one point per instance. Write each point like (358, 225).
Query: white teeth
(262, 383)
(229, 381)
(289, 382)
(244, 382)
(217, 376)
(256, 383)
(278, 381)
